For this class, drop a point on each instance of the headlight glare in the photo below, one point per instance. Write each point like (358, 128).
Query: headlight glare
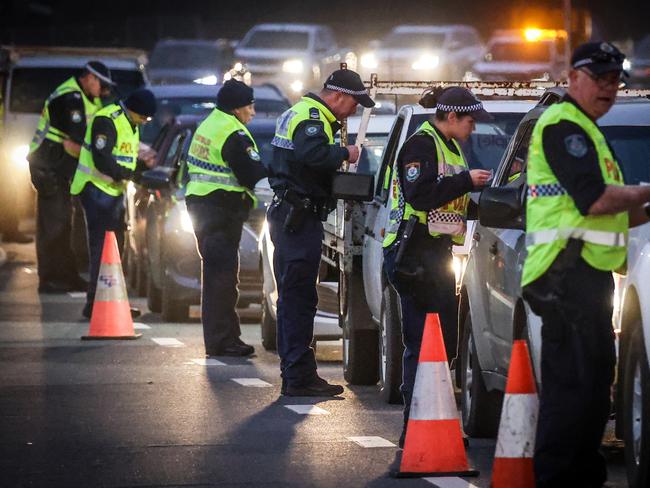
(19, 155)
(426, 62)
(294, 66)
(369, 60)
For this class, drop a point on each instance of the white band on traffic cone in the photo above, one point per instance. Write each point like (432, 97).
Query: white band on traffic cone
(519, 414)
(433, 397)
(110, 284)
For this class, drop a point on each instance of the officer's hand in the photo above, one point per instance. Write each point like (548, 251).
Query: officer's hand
(354, 154)
(72, 148)
(480, 177)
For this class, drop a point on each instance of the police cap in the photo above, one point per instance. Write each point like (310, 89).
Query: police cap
(349, 82)
(101, 71)
(598, 57)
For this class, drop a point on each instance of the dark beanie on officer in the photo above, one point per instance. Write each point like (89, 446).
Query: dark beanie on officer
(234, 94)
(142, 102)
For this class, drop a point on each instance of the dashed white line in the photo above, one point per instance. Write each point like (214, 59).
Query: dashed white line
(167, 341)
(307, 409)
(254, 382)
(207, 362)
(371, 441)
(450, 483)
(140, 326)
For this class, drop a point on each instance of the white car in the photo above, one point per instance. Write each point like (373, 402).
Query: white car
(326, 322)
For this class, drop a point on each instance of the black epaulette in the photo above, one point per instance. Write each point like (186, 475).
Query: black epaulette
(116, 114)
(314, 113)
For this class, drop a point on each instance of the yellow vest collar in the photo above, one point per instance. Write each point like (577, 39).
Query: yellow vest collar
(316, 101)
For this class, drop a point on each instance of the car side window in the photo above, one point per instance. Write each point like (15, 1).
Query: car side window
(515, 170)
(173, 150)
(390, 153)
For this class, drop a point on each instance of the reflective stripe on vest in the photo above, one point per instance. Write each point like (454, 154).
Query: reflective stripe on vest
(45, 130)
(207, 169)
(125, 153)
(551, 214)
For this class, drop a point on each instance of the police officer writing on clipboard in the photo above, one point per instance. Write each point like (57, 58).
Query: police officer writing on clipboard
(53, 156)
(305, 159)
(430, 186)
(108, 159)
(578, 212)
(224, 166)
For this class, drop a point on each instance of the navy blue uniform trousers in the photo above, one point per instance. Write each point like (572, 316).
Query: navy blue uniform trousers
(218, 232)
(296, 259)
(578, 360)
(103, 212)
(435, 292)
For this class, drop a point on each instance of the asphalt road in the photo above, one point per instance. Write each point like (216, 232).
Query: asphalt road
(142, 413)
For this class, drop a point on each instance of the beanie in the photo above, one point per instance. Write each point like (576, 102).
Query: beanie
(142, 102)
(234, 94)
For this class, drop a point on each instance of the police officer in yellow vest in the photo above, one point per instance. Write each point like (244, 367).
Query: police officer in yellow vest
(108, 159)
(578, 212)
(52, 159)
(430, 186)
(224, 165)
(305, 159)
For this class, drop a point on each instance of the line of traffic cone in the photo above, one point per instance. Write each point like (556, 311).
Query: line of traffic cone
(434, 440)
(111, 314)
(513, 458)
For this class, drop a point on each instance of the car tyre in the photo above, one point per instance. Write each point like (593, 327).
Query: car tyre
(636, 413)
(269, 327)
(480, 408)
(154, 296)
(360, 336)
(172, 309)
(391, 347)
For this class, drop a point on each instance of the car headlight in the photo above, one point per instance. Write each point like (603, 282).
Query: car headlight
(207, 80)
(19, 155)
(186, 222)
(296, 86)
(425, 62)
(627, 64)
(369, 60)
(294, 66)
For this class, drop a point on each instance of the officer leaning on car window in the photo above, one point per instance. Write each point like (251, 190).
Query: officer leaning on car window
(430, 185)
(223, 165)
(53, 156)
(108, 158)
(305, 160)
(578, 211)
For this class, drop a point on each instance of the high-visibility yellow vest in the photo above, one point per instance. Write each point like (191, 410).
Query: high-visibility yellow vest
(125, 153)
(449, 163)
(207, 169)
(45, 131)
(306, 109)
(551, 215)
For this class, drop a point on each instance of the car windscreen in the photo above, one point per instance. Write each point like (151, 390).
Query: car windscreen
(31, 86)
(631, 145)
(171, 107)
(189, 57)
(280, 39)
(414, 40)
(486, 145)
(521, 52)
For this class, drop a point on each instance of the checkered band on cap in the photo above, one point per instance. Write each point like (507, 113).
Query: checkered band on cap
(551, 190)
(345, 90)
(460, 108)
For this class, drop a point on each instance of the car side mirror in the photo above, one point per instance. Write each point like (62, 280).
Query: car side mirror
(156, 179)
(502, 207)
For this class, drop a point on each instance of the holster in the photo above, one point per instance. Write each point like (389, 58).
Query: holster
(401, 272)
(298, 210)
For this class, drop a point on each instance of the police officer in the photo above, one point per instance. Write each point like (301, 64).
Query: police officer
(305, 159)
(108, 159)
(577, 216)
(52, 159)
(224, 166)
(430, 186)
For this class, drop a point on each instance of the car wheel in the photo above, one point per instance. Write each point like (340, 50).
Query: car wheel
(269, 328)
(172, 310)
(480, 408)
(636, 413)
(391, 347)
(154, 296)
(360, 351)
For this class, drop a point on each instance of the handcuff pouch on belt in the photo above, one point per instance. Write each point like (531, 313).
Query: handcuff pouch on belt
(300, 207)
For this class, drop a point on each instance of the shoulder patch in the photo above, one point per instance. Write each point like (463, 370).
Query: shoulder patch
(312, 130)
(576, 145)
(75, 115)
(314, 114)
(253, 154)
(100, 141)
(412, 171)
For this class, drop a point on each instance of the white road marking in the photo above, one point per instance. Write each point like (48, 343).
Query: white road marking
(256, 382)
(207, 362)
(450, 483)
(307, 409)
(167, 342)
(140, 326)
(371, 441)
(77, 294)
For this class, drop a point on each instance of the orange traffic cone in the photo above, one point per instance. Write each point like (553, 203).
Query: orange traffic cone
(513, 463)
(111, 316)
(434, 442)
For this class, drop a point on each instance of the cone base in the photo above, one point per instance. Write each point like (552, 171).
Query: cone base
(469, 473)
(111, 338)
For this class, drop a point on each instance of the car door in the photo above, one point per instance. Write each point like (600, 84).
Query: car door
(502, 252)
